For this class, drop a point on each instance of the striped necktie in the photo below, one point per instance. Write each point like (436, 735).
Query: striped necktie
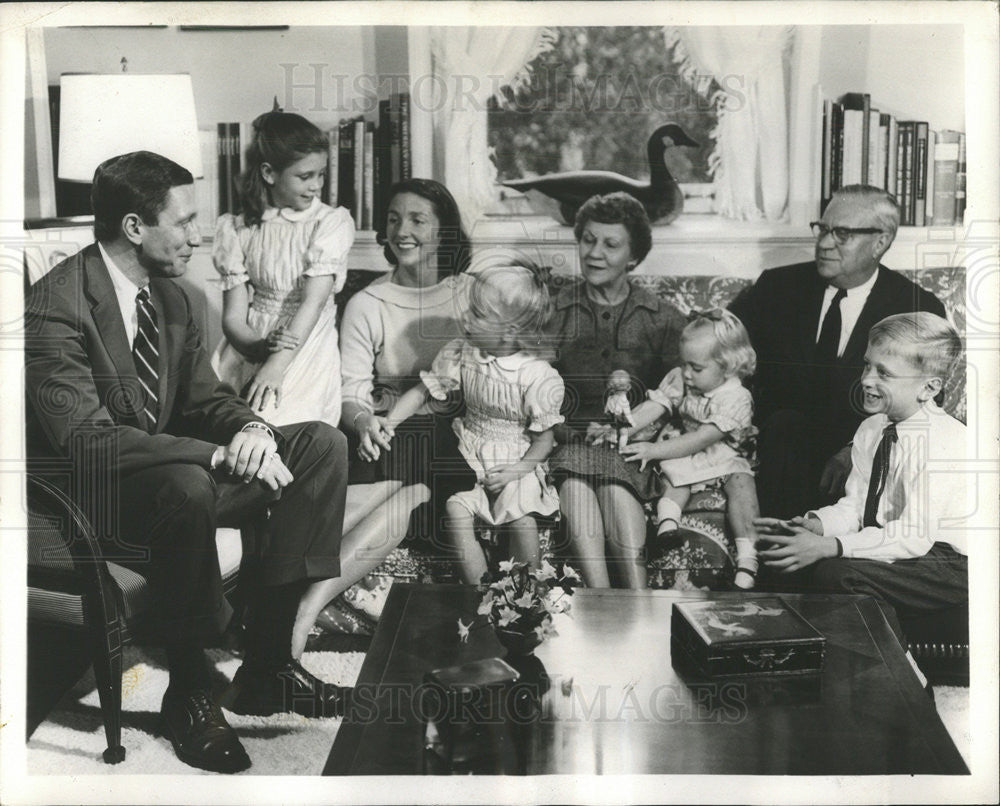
(146, 355)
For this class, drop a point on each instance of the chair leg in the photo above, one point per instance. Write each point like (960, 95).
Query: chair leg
(108, 672)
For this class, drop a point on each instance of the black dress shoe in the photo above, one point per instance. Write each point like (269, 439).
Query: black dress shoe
(290, 688)
(199, 732)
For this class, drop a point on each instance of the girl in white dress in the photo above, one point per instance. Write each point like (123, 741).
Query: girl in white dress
(512, 398)
(717, 440)
(281, 261)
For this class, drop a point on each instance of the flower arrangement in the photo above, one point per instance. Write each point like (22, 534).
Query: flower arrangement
(521, 599)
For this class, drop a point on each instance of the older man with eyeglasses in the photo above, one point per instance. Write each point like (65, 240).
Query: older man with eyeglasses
(809, 324)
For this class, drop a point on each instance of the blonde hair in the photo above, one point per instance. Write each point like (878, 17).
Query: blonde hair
(732, 347)
(926, 340)
(511, 298)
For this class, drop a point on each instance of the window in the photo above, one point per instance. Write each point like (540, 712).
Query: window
(592, 102)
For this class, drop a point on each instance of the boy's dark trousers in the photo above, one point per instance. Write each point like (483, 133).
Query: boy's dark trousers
(919, 586)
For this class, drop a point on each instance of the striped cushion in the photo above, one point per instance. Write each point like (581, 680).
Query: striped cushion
(66, 608)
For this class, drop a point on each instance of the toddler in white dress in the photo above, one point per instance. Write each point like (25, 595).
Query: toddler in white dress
(512, 398)
(717, 439)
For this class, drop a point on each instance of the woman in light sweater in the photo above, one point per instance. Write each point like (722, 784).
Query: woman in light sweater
(390, 332)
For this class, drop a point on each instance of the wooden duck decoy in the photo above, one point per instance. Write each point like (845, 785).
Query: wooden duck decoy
(561, 195)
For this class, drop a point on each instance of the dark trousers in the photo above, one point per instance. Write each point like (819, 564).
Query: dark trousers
(791, 452)
(919, 586)
(424, 451)
(170, 513)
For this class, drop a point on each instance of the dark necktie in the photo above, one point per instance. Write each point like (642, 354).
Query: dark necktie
(880, 473)
(829, 334)
(146, 354)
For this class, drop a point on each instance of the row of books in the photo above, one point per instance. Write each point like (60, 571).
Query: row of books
(364, 158)
(922, 168)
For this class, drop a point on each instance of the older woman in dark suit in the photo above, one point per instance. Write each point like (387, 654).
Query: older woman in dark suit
(604, 322)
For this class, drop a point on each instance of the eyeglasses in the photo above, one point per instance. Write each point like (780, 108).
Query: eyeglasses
(840, 234)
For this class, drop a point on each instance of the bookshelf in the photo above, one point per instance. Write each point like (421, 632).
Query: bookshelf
(908, 73)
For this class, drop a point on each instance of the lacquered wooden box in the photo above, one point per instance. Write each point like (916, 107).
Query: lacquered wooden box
(753, 638)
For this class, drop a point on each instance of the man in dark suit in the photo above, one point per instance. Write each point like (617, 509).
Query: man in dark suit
(158, 452)
(809, 324)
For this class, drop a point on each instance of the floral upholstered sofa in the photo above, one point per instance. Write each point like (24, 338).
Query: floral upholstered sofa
(704, 558)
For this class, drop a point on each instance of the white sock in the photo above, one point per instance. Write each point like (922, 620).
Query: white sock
(668, 515)
(746, 558)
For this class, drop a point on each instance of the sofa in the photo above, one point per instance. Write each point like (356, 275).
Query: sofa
(705, 556)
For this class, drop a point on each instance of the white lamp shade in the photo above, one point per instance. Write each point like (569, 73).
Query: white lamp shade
(101, 116)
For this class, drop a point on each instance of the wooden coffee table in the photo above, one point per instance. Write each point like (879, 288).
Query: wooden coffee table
(614, 703)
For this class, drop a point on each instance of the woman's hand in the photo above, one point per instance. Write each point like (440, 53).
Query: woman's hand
(500, 476)
(374, 434)
(281, 338)
(601, 432)
(265, 387)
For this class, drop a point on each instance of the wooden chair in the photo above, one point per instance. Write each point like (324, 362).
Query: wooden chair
(72, 585)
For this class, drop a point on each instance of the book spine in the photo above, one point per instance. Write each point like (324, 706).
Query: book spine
(866, 125)
(872, 174)
(332, 166)
(837, 154)
(396, 138)
(890, 162)
(404, 112)
(854, 144)
(383, 169)
(222, 132)
(960, 182)
(827, 123)
(368, 213)
(359, 173)
(901, 166)
(346, 172)
(945, 178)
(929, 183)
(920, 174)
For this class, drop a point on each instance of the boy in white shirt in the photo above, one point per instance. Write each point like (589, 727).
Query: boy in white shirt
(896, 534)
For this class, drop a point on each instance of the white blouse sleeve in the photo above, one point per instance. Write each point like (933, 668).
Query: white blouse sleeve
(670, 391)
(731, 412)
(227, 253)
(543, 399)
(330, 244)
(445, 374)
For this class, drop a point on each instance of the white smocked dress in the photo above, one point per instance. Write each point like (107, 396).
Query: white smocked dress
(275, 257)
(506, 398)
(728, 407)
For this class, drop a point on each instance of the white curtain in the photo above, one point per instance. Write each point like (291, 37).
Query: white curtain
(750, 162)
(470, 66)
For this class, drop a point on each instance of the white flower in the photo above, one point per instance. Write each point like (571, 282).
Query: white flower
(547, 571)
(463, 631)
(486, 605)
(525, 600)
(506, 566)
(506, 616)
(569, 573)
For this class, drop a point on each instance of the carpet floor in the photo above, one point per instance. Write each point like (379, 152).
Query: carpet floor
(71, 739)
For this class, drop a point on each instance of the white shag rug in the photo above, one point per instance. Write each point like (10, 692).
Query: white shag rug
(71, 740)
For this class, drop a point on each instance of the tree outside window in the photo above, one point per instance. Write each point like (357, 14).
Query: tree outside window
(592, 102)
